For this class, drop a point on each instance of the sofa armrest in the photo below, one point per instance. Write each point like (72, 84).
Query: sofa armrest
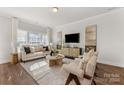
(23, 55)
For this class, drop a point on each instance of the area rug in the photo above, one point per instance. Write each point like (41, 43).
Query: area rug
(43, 74)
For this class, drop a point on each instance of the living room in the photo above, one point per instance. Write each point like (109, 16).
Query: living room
(41, 50)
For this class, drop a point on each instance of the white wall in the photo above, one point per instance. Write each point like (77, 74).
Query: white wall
(31, 27)
(5, 39)
(110, 35)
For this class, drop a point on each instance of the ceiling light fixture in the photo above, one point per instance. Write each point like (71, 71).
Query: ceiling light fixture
(55, 9)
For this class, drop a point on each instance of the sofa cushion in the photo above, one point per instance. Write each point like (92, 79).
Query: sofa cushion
(34, 55)
(37, 49)
(38, 54)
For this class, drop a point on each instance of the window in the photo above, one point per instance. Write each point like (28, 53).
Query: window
(35, 38)
(24, 37)
(45, 39)
(21, 37)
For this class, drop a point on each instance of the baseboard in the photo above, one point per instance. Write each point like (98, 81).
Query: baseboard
(113, 65)
(4, 61)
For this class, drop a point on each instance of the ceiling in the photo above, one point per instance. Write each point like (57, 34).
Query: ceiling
(45, 16)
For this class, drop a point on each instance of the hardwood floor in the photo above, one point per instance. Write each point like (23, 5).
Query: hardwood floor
(109, 75)
(15, 75)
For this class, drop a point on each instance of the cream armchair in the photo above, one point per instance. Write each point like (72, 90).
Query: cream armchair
(81, 70)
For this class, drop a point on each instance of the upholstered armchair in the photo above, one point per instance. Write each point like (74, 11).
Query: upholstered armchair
(81, 70)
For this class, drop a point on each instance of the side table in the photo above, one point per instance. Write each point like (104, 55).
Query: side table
(14, 58)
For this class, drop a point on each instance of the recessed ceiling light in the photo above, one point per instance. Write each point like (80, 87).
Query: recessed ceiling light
(55, 9)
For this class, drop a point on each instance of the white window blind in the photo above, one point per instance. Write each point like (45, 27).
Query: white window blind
(21, 37)
(26, 37)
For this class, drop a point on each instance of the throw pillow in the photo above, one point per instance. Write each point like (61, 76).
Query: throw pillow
(82, 64)
(88, 55)
(91, 52)
(32, 49)
(46, 48)
(27, 50)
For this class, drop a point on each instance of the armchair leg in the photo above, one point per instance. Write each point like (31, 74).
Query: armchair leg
(93, 82)
(76, 80)
(71, 77)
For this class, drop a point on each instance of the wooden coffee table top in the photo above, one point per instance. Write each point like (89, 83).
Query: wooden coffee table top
(54, 57)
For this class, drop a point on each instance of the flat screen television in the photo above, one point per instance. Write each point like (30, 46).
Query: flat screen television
(72, 38)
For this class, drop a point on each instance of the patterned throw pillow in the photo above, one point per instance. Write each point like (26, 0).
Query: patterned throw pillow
(27, 50)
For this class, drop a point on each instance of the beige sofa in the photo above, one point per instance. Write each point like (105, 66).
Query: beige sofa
(37, 51)
(83, 69)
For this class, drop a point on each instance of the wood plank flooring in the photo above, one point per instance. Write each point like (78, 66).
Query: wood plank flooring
(109, 75)
(15, 75)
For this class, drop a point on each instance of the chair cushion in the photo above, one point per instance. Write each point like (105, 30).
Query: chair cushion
(73, 68)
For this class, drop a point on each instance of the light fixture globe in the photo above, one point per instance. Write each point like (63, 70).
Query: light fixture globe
(55, 9)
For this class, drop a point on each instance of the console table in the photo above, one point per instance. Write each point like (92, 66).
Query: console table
(71, 52)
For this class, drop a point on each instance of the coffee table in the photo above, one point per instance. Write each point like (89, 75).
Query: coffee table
(54, 60)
